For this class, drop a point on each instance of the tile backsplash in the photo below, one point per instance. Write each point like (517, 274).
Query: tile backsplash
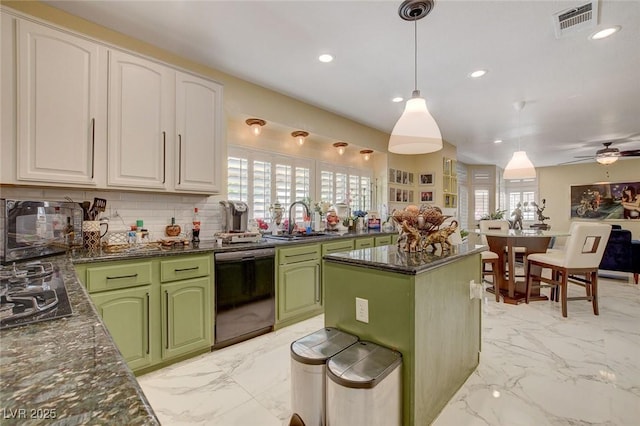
(125, 207)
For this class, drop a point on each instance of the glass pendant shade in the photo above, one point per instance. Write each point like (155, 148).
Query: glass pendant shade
(256, 129)
(416, 132)
(520, 167)
(608, 158)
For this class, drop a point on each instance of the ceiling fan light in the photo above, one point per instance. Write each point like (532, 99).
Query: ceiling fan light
(416, 131)
(607, 158)
(519, 167)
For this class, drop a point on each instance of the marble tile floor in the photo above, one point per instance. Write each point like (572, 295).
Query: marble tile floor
(536, 368)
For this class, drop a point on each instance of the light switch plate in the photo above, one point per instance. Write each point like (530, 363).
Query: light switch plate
(362, 310)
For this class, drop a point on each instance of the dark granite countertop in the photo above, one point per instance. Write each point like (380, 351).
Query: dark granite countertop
(389, 258)
(68, 371)
(209, 246)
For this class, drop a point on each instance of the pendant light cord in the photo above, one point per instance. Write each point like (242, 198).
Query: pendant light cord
(415, 56)
(519, 128)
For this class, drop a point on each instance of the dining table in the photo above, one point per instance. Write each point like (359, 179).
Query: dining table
(504, 243)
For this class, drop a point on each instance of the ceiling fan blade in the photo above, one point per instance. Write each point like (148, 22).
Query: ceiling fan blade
(630, 153)
(577, 161)
(583, 156)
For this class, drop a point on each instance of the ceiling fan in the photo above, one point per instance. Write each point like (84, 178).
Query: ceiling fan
(607, 155)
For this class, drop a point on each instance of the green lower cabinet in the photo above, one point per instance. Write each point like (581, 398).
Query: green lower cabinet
(153, 322)
(299, 291)
(361, 243)
(186, 316)
(337, 246)
(126, 314)
(384, 240)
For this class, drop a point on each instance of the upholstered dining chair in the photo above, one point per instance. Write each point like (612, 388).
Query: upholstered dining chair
(582, 255)
(489, 257)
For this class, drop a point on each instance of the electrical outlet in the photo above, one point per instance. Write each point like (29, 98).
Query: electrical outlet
(475, 290)
(362, 310)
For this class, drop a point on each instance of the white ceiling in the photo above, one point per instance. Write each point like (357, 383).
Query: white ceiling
(578, 92)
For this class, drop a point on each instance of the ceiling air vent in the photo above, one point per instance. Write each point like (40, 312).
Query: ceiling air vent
(576, 19)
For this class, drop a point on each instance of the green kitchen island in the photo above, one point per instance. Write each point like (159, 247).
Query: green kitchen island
(418, 304)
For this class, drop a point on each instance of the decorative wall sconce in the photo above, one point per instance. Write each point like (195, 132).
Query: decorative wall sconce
(256, 125)
(366, 154)
(341, 146)
(300, 135)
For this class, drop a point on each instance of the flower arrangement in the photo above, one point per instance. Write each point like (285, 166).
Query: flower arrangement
(321, 207)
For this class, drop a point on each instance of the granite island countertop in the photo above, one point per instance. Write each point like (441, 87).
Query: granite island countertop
(389, 258)
(68, 371)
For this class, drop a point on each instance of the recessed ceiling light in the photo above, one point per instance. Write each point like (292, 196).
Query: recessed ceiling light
(325, 58)
(397, 99)
(498, 141)
(605, 33)
(478, 73)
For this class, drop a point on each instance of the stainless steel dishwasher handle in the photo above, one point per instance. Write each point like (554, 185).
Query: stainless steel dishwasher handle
(235, 256)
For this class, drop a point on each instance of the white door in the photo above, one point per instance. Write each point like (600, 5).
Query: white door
(57, 92)
(199, 134)
(141, 111)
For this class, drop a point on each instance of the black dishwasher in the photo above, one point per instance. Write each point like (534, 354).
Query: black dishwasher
(244, 295)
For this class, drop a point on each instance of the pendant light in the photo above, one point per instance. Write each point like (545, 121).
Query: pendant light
(416, 131)
(520, 167)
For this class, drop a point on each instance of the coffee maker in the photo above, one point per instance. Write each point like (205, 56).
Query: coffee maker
(234, 216)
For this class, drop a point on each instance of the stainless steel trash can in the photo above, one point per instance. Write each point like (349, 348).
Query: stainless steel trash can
(309, 356)
(364, 386)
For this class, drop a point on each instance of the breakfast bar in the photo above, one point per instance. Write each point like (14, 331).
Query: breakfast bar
(418, 304)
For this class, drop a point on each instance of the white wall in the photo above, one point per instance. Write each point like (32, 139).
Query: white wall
(555, 186)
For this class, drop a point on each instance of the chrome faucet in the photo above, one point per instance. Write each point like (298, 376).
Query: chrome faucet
(306, 212)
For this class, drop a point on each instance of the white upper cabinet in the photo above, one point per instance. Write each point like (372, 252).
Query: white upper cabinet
(57, 94)
(199, 134)
(78, 113)
(141, 121)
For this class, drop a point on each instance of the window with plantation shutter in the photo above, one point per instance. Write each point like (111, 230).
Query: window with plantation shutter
(342, 188)
(522, 191)
(345, 185)
(365, 193)
(262, 178)
(237, 179)
(326, 186)
(481, 202)
(261, 189)
(302, 188)
(283, 184)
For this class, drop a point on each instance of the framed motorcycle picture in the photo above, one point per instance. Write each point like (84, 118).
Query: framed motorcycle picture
(606, 201)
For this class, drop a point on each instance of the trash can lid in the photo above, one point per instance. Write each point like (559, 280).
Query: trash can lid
(363, 365)
(317, 347)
